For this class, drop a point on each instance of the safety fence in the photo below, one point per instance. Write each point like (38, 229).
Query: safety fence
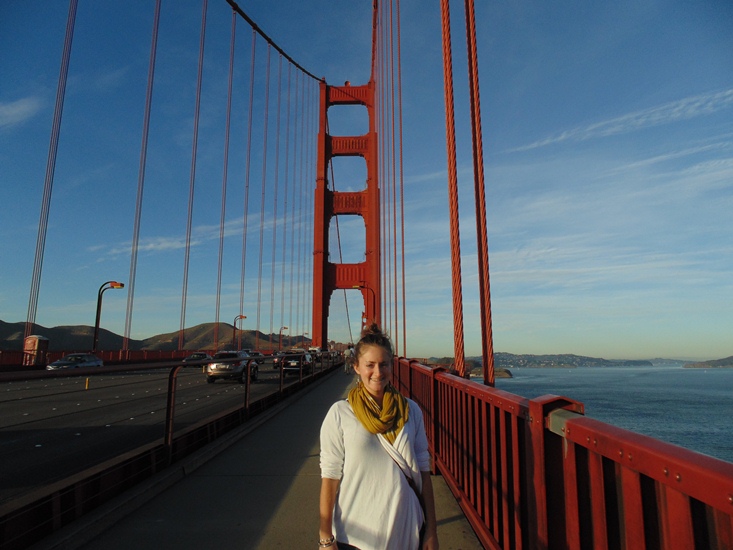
(537, 474)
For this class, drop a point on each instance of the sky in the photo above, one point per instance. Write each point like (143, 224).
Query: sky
(608, 151)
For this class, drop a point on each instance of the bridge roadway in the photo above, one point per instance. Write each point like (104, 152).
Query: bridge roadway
(256, 489)
(52, 428)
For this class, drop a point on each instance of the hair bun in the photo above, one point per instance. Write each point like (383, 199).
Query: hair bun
(372, 330)
(372, 335)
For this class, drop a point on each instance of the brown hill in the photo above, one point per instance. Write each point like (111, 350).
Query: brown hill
(79, 338)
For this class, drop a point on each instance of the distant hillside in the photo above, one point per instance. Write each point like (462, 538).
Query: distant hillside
(79, 338)
(62, 338)
(716, 364)
(504, 361)
(510, 360)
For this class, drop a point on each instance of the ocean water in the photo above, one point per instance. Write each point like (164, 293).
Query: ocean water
(692, 408)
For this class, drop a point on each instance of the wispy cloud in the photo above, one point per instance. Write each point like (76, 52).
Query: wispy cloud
(683, 109)
(18, 111)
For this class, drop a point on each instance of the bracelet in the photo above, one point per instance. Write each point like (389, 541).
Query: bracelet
(325, 543)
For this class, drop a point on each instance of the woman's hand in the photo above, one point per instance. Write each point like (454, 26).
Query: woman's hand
(430, 542)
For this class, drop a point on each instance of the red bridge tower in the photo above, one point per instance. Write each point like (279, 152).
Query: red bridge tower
(329, 276)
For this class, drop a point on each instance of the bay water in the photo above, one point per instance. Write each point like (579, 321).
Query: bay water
(692, 408)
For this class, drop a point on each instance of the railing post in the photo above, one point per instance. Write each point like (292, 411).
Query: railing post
(282, 376)
(170, 412)
(434, 424)
(246, 388)
(538, 467)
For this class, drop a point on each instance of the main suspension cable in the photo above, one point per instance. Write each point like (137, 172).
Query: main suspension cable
(455, 239)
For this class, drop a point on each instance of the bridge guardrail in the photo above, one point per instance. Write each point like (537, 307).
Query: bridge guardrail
(537, 473)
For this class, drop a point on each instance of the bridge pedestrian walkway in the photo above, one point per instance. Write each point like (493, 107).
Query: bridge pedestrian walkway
(259, 490)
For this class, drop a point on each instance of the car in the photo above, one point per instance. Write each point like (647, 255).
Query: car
(231, 365)
(196, 357)
(277, 357)
(76, 361)
(291, 363)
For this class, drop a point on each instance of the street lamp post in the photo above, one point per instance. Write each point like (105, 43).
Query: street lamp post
(105, 286)
(374, 301)
(234, 330)
(280, 341)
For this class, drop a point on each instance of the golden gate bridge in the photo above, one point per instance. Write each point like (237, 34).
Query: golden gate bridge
(527, 473)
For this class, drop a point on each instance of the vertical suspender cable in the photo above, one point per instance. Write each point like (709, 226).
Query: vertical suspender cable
(192, 180)
(296, 114)
(306, 210)
(50, 169)
(487, 347)
(246, 177)
(262, 195)
(455, 238)
(300, 210)
(383, 181)
(222, 217)
(396, 333)
(309, 178)
(338, 244)
(275, 193)
(141, 178)
(401, 183)
(285, 205)
(386, 162)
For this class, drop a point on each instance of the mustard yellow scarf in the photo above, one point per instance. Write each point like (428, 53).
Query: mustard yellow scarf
(387, 419)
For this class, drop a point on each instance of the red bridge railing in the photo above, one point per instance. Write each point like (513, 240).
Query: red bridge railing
(537, 474)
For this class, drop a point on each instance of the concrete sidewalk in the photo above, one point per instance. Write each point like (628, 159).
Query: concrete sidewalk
(259, 492)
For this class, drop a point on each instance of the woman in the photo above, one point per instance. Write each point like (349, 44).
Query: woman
(376, 491)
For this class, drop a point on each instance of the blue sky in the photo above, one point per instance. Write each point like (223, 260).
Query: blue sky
(608, 139)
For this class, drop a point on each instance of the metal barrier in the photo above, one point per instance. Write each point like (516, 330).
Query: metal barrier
(537, 474)
(28, 519)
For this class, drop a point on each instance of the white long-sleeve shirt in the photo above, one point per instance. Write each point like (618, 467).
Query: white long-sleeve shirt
(376, 509)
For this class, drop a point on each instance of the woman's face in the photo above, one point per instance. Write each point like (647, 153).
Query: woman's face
(374, 367)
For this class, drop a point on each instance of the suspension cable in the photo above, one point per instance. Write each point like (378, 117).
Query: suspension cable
(50, 169)
(224, 181)
(487, 347)
(269, 40)
(275, 193)
(338, 240)
(192, 180)
(394, 178)
(458, 338)
(299, 248)
(141, 178)
(247, 174)
(310, 200)
(401, 182)
(292, 205)
(285, 203)
(262, 196)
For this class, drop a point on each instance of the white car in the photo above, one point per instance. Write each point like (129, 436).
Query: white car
(231, 365)
(76, 361)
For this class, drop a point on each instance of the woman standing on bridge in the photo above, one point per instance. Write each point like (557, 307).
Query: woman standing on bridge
(376, 491)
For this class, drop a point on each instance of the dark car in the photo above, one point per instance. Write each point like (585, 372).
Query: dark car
(197, 356)
(76, 361)
(277, 358)
(231, 365)
(292, 362)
